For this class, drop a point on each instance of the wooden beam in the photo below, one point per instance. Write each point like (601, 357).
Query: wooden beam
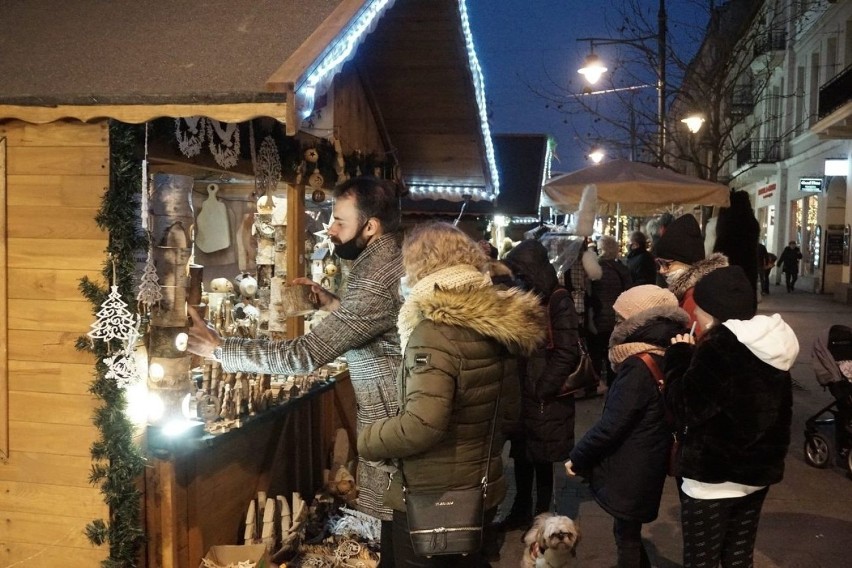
(293, 70)
(137, 114)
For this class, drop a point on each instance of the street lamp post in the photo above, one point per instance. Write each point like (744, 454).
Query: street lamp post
(593, 69)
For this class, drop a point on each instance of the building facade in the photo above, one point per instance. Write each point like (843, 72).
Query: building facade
(798, 126)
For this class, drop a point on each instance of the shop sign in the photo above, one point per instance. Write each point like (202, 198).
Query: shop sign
(810, 184)
(766, 191)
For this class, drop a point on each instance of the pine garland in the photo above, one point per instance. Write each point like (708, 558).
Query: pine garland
(117, 462)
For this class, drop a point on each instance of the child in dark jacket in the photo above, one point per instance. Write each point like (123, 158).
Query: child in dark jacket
(624, 454)
(731, 398)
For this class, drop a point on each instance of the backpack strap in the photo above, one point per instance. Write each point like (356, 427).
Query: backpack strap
(552, 302)
(655, 370)
(660, 380)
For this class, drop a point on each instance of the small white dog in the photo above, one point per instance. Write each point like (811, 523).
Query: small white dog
(551, 542)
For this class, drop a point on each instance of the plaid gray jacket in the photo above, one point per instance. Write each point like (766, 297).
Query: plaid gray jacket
(364, 328)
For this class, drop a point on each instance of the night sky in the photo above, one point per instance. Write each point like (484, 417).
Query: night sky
(527, 45)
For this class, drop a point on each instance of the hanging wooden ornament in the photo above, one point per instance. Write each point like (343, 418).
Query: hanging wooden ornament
(268, 166)
(189, 132)
(318, 196)
(311, 155)
(316, 180)
(224, 142)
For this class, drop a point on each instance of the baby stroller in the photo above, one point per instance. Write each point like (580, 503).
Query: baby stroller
(828, 433)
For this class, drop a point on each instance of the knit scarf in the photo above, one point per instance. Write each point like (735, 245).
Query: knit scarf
(458, 276)
(618, 353)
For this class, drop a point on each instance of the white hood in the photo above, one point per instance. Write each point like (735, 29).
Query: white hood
(769, 338)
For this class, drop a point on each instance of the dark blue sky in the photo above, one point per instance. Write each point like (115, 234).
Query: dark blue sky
(531, 44)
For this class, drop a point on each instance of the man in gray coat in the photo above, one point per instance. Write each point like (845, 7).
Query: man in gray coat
(361, 324)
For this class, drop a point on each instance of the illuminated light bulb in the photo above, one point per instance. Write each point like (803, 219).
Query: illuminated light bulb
(693, 123)
(592, 69)
(181, 340)
(156, 372)
(596, 155)
(137, 403)
(155, 407)
(175, 428)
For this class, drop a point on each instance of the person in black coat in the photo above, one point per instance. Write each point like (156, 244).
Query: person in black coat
(789, 263)
(640, 262)
(547, 433)
(624, 454)
(731, 397)
(615, 279)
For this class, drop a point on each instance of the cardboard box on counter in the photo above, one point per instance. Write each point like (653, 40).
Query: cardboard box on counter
(229, 555)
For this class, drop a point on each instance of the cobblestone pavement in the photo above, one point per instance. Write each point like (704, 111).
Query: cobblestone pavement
(807, 518)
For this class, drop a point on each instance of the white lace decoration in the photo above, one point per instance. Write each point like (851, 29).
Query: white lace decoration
(150, 293)
(189, 132)
(122, 369)
(115, 321)
(267, 169)
(224, 142)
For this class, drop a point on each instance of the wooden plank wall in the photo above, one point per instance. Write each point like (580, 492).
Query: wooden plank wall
(55, 177)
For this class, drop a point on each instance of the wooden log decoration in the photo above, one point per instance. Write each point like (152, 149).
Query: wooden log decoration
(171, 235)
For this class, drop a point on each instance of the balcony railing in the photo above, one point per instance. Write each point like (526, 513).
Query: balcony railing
(742, 101)
(835, 93)
(773, 40)
(759, 151)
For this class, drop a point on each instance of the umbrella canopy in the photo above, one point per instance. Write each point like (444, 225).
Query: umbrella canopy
(637, 188)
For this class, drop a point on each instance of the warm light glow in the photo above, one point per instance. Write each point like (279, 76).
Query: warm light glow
(175, 428)
(137, 403)
(593, 68)
(693, 123)
(501, 221)
(181, 340)
(156, 372)
(156, 407)
(596, 155)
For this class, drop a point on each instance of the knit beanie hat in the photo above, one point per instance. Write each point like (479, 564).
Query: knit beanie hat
(641, 298)
(682, 241)
(726, 293)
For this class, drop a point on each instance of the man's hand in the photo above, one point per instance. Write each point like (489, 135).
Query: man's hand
(321, 298)
(202, 336)
(569, 468)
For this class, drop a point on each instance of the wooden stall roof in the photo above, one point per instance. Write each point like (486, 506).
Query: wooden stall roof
(232, 60)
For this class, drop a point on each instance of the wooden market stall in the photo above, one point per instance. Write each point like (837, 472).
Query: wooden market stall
(393, 79)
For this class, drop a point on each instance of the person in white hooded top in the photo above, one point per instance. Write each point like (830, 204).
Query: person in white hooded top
(731, 397)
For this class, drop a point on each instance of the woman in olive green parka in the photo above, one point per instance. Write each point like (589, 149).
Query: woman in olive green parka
(460, 337)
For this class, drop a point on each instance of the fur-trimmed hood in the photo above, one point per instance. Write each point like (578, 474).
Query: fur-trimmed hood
(696, 272)
(626, 329)
(513, 317)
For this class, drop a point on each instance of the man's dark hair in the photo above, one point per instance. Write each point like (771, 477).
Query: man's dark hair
(374, 197)
(640, 239)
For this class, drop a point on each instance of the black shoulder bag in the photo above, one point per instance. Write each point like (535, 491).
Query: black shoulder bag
(449, 521)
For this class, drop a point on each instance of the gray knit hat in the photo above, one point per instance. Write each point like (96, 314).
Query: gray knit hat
(641, 298)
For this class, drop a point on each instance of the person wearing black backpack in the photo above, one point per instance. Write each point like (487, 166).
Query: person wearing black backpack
(547, 431)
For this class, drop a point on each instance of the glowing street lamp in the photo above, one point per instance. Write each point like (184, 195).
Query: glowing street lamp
(593, 68)
(596, 155)
(693, 122)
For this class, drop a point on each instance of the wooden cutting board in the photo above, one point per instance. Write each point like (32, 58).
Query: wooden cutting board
(212, 232)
